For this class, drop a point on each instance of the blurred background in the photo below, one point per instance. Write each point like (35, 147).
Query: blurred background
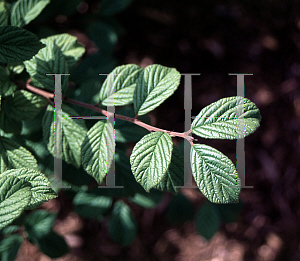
(213, 38)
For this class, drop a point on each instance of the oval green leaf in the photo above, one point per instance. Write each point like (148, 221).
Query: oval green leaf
(24, 11)
(155, 84)
(40, 185)
(49, 60)
(98, 150)
(223, 119)
(119, 86)
(215, 174)
(69, 46)
(13, 156)
(15, 194)
(150, 159)
(17, 44)
(122, 224)
(73, 133)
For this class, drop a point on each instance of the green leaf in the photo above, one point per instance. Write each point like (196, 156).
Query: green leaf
(13, 156)
(92, 206)
(207, 220)
(15, 194)
(97, 150)
(219, 120)
(24, 11)
(49, 60)
(39, 223)
(155, 84)
(127, 131)
(180, 210)
(215, 174)
(4, 13)
(53, 245)
(23, 105)
(17, 44)
(175, 174)
(41, 190)
(7, 87)
(119, 86)
(9, 247)
(122, 224)
(147, 200)
(150, 159)
(112, 7)
(73, 133)
(69, 46)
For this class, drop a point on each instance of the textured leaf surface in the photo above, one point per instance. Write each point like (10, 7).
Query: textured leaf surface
(4, 13)
(17, 44)
(15, 194)
(69, 46)
(174, 176)
(215, 174)
(119, 86)
(14, 156)
(24, 11)
(40, 185)
(7, 87)
(97, 150)
(220, 120)
(24, 105)
(39, 223)
(9, 247)
(207, 220)
(49, 60)
(122, 224)
(150, 159)
(155, 84)
(92, 206)
(73, 133)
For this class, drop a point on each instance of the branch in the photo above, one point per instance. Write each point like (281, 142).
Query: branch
(47, 95)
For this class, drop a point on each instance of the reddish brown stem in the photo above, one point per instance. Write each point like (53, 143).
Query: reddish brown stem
(185, 135)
